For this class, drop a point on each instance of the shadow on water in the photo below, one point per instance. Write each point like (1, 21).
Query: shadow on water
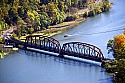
(36, 54)
(61, 60)
(56, 59)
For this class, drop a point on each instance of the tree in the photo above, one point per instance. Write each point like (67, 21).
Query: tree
(61, 6)
(44, 20)
(43, 8)
(118, 46)
(80, 4)
(22, 12)
(119, 41)
(34, 19)
(110, 46)
(68, 3)
(120, 69)
(75, 3)
(56, 16)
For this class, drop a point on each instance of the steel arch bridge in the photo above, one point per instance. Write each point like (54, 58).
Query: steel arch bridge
(82, 50)
(43, 43)
(76, 49)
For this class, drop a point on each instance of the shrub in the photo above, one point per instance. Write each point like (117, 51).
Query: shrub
(120, 69)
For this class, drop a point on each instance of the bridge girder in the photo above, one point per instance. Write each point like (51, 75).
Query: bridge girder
(82, 50)
(43, 42)
(76, 49)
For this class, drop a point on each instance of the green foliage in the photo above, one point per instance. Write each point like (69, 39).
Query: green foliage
(1, 40)
(61, 6)
(3, 25)
(43, 8)
(22, 12)
(44, 20)
(80, 4)
(111, 65)
(120, 69)
(31, 30)
(117, 67)
(110, 46)
(97, 8)
(33, 15)
(1, 54)
(56, 16)
(120, 53)
(68, 3)
(92, 13)
(70, 18)
(86, 14)
(106, 6)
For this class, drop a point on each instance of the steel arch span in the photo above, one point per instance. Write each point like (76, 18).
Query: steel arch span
(75, 49)
(43, 43)
(82, 50)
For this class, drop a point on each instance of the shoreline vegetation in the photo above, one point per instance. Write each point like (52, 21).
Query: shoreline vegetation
(48, 17)
(117, 66)
(72, 20)
(57, 29)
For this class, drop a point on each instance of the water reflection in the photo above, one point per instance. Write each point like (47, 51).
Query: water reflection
(32, 67)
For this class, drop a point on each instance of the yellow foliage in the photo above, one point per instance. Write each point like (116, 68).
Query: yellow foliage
(31, 15)
(119, 41)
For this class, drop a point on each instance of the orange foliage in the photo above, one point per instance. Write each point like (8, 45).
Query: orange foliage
(91, 1)
(119, 41)
(0, 10)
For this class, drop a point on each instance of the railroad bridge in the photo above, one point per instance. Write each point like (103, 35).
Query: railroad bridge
(75, 49)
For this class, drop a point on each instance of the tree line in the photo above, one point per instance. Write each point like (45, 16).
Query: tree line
(29, 16)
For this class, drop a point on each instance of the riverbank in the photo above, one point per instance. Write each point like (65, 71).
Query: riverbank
(57, 29)
(72, 20)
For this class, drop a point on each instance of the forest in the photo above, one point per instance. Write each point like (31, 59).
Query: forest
(28, 16)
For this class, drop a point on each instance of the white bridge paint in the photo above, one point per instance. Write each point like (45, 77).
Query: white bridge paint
(68, 57)
(8, 46)
(83, 60)
(43, 51)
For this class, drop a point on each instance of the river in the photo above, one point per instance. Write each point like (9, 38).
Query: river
(99, 29)
(31, 67)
